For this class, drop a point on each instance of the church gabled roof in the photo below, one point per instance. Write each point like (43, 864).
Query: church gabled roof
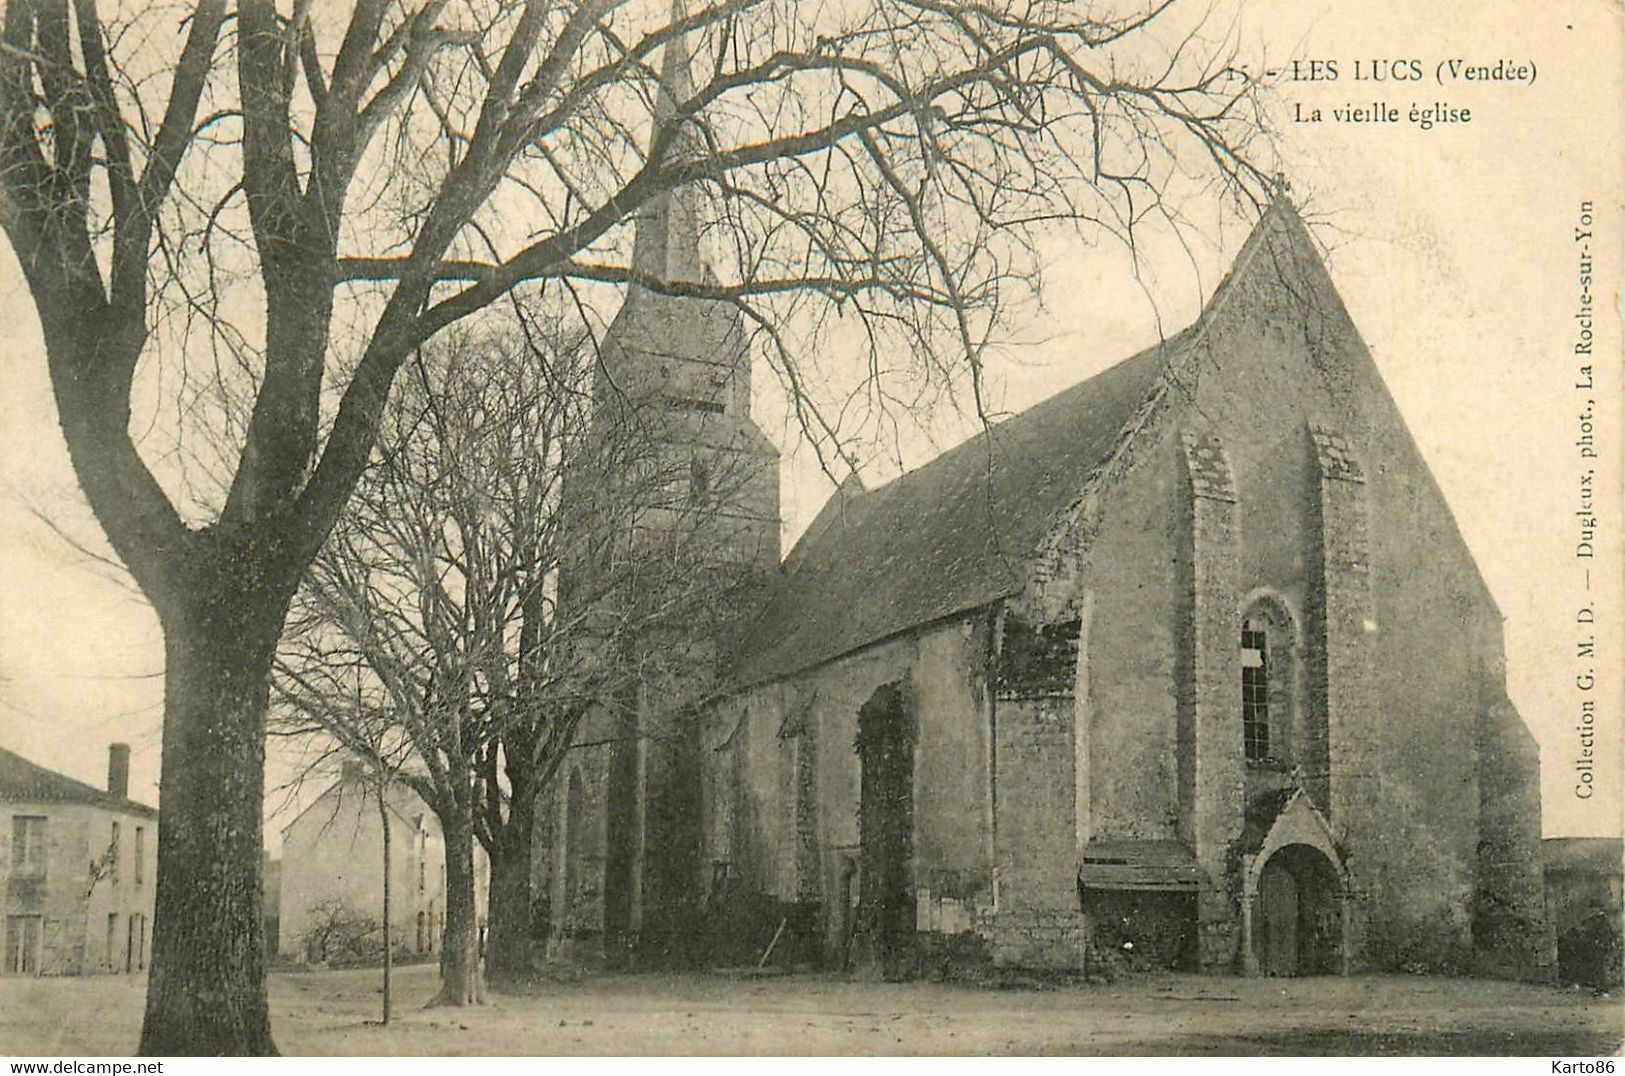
(952, 535)
(946, 537)
(22, 781)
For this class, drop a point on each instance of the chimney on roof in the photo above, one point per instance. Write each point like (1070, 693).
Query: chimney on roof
(118, 770)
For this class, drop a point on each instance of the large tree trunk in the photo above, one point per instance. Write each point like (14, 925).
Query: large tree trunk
(510, 959)
(206, 991)
(460, 949)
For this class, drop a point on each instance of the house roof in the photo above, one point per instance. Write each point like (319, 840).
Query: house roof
(404, 803)
(21, 781)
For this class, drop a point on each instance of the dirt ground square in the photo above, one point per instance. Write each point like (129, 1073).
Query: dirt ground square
(334, 1013)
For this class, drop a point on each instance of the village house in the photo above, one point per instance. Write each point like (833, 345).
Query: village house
(77, 870)
(331, 884)
(1188, 662)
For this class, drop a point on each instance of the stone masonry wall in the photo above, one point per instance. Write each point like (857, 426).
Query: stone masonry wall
(572, 862)
(55, 893)
(1037, 922)
(1343, 689)
(792, 833)
(1511, 932)
(1342, 518)
(1211, 764)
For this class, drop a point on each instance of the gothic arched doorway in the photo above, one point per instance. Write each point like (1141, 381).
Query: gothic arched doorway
(885, 747)
(1299, 925)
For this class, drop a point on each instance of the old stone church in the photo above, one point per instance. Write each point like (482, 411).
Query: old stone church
(1188, 662)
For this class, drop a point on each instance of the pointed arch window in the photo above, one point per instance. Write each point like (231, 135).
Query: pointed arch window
(1255, 689)
(1268, 683)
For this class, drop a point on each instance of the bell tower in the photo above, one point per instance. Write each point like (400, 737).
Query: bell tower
(677, 365)
(696, 485)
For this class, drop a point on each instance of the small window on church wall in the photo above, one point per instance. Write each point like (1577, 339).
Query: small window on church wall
(699, 481)
(1255, 689)
(1268, 684)
(689, 403)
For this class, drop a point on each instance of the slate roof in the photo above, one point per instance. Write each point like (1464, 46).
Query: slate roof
(21, 781)
(947, 537)
(1138, 865)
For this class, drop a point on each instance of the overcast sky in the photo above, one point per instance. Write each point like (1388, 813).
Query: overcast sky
(1452, 247)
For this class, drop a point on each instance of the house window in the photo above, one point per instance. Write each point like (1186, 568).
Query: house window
(28, 845)
(1255, 690)
(112, 940)
(22, 944)
(113, 855)
(140, 855)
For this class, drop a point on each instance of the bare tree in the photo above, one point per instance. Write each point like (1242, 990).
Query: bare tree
(445, 580)
(259, 226)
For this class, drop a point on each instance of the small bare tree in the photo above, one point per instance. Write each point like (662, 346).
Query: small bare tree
(340, 934)
(371, 758)
(443, 580)
(258, 227)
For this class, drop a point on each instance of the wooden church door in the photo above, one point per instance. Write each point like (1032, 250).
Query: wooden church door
(1278, 899)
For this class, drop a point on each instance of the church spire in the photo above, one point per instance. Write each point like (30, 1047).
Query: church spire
(666, 245)
(676, 79)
